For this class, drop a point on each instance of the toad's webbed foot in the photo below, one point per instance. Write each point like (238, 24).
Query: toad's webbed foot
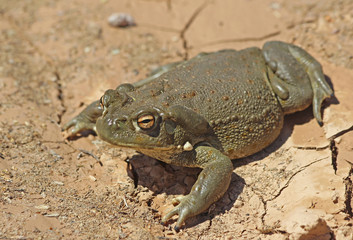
(210, 186)
(86, 120)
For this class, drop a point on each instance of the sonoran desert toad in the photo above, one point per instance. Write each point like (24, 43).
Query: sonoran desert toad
(208, 110)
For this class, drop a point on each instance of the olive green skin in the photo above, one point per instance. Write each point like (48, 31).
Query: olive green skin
(208, 110)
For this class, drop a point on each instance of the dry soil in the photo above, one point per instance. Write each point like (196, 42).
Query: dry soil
(57, 56)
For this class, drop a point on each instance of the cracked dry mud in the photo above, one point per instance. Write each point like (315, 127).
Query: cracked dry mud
(58, 56)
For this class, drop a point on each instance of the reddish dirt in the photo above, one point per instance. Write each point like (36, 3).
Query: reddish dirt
(58, 56)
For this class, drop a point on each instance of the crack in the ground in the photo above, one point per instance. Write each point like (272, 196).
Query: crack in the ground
(266, 229)
(340, 133)
(264, 202)
(348, 192)
(291, 177)
(187, 26)
(334, 153)
(49, 62)
(59, 96)
(333, 149)
(246, 39)
(312, 148)
(347, 180)
(255, 39)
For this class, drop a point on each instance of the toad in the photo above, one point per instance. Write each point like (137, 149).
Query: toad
(205, 111)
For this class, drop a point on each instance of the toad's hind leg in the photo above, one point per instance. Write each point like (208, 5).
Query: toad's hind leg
(298, 80)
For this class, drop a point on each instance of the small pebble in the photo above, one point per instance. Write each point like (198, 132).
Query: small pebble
(115, 51)
(92, 178)
(42, 207)
(87, 49)
(238, 204)
(335, 197)
(121, 20)
(175, 38)
(275, 5)
(52, 215)
(58, 183)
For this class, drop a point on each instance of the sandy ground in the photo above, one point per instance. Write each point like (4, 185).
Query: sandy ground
(58, 56)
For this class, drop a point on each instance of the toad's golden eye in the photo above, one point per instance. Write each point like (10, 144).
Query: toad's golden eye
(145, 122)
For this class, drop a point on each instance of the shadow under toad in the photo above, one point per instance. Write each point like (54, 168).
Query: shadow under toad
(160, 178)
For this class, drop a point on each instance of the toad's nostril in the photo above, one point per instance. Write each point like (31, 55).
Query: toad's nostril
(115, 123)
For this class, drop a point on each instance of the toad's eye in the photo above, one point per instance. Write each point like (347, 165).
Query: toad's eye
(146, 122)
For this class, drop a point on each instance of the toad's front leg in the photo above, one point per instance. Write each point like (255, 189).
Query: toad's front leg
(210, 186)
(86, 120)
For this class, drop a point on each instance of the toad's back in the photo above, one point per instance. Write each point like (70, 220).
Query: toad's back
(230, 90)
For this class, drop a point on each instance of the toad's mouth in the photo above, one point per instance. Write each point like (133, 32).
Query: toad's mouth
(141, 146)
(135, 142)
